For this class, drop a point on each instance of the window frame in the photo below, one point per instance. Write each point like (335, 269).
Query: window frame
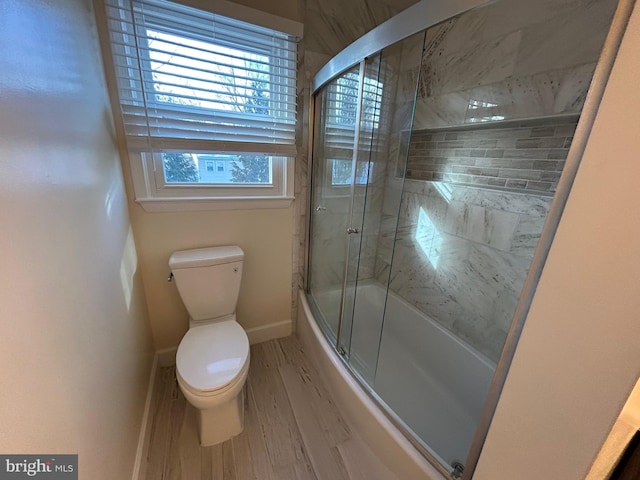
(159, 195)
(154, 194)
(162, 188)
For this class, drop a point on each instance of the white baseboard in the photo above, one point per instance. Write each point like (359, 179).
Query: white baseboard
(140, 464)
(167, 357)
(269, 332)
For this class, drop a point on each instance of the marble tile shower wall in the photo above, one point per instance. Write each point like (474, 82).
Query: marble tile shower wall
(465, 241)
(528, 156)
(461, 255)
(462, 252)
(511, 60)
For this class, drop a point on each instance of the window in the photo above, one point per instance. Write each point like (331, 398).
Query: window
(207, 102)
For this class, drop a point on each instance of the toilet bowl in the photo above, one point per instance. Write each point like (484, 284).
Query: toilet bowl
(212, 361)
(211, 367)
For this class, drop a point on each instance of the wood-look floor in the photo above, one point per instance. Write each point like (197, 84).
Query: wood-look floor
(293, 430)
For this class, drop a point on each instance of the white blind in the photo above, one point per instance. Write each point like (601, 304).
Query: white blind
(185, 74)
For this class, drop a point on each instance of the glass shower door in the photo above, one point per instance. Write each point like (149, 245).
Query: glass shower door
(387, 112)
(435, 163)
(364, 173)
(348, 135)
(335, 136)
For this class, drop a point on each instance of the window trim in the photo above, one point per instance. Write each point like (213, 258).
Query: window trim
(227, 197)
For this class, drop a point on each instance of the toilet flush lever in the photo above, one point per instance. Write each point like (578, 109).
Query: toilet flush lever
(170, 277)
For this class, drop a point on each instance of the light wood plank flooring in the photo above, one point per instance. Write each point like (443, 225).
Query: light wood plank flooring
(293, 430)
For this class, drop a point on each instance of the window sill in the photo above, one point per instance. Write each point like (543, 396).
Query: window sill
(164, 204)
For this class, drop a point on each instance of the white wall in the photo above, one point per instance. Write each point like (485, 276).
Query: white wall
(579, 354)
(264, 235)
(76, 348)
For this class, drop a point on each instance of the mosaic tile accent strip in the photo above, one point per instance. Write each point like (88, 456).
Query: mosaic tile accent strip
(524, 157)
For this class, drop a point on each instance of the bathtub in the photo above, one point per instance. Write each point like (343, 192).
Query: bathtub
(433, 383)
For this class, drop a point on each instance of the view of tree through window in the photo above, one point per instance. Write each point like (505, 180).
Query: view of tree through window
(179, 168)
(251, 169)
(208, 76)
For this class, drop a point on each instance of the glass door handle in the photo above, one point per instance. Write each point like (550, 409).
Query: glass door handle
(351, 230)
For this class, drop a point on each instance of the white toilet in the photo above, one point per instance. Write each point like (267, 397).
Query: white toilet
(213, 357)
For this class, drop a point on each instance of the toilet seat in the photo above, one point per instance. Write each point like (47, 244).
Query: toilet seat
(213, 358)
(206, 397)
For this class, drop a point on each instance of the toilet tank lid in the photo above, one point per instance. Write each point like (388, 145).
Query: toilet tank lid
(205, 257)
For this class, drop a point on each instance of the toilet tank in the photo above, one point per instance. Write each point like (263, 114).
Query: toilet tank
(208, 280)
